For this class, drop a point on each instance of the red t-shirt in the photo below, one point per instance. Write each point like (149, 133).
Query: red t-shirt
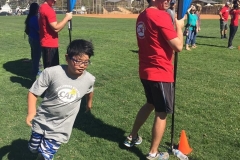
(48, 37)
(234, 17)
(225, 13)
(153, 29)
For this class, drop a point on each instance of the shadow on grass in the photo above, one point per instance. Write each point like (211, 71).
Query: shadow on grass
(22, 69)
(134, 51)
(18, 150)
(95, 127)
(211, 45)
(207, 37)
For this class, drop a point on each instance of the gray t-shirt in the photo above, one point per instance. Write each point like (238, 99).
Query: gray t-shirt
(58, 110)
(172, 14)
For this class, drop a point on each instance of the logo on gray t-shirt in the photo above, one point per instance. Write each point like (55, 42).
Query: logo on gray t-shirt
(67, 93)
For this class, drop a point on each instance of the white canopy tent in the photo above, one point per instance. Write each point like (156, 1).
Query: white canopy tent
(6, 8)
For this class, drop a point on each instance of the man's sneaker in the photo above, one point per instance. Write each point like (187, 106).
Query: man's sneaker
(159, 156)
(129, 142)
(231, 47)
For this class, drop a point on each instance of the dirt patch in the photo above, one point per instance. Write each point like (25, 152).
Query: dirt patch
(209, 16)
(203, 16)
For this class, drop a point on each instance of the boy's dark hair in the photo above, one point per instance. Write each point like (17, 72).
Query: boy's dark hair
(80, 47)
(32, 12)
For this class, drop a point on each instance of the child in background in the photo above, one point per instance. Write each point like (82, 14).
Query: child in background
(32, 30)
(64, 87)
(198, 13)
(193, 28)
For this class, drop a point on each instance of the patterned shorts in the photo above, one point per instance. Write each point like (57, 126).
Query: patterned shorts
(46, 147)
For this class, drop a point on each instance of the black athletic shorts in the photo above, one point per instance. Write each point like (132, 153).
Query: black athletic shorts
(50, 57)
(160, 94)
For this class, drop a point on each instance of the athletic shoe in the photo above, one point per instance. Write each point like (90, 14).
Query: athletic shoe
(159, 156)
(129, 142)
(231, 47)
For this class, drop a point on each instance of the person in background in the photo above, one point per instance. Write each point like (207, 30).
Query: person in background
(234, 13)
(32, 30)
(192, 27)
(156, 38)
(17, 10)
(236, 2)
(171, 9)
(198, 13)
(224, 13)
(49, 28)
(65, 86)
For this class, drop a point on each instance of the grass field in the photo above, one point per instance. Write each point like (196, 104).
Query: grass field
(207, 94)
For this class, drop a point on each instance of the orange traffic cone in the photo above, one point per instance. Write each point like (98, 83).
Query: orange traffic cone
(183, 144)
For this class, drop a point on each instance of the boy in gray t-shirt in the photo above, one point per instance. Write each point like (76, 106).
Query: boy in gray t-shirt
(64, 87)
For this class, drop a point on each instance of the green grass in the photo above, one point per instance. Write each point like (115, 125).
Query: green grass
(207, 94)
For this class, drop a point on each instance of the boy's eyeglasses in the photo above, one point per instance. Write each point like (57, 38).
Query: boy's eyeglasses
(76, 62)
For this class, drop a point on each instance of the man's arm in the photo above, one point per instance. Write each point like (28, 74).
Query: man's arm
(89, 98)
(177, 43)
(57, 27)
(32, 101)
(220, 14)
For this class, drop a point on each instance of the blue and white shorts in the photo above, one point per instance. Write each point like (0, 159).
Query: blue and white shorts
(46, 147)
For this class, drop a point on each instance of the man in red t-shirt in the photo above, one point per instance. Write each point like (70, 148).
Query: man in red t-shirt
(157, 39)
(224, 13)
(49, 28)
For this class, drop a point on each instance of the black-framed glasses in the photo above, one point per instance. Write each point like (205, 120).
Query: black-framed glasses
(76, 62)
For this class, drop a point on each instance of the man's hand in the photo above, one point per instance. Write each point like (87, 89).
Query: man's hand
(179, 23)
(29, 119)
(69, 16)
